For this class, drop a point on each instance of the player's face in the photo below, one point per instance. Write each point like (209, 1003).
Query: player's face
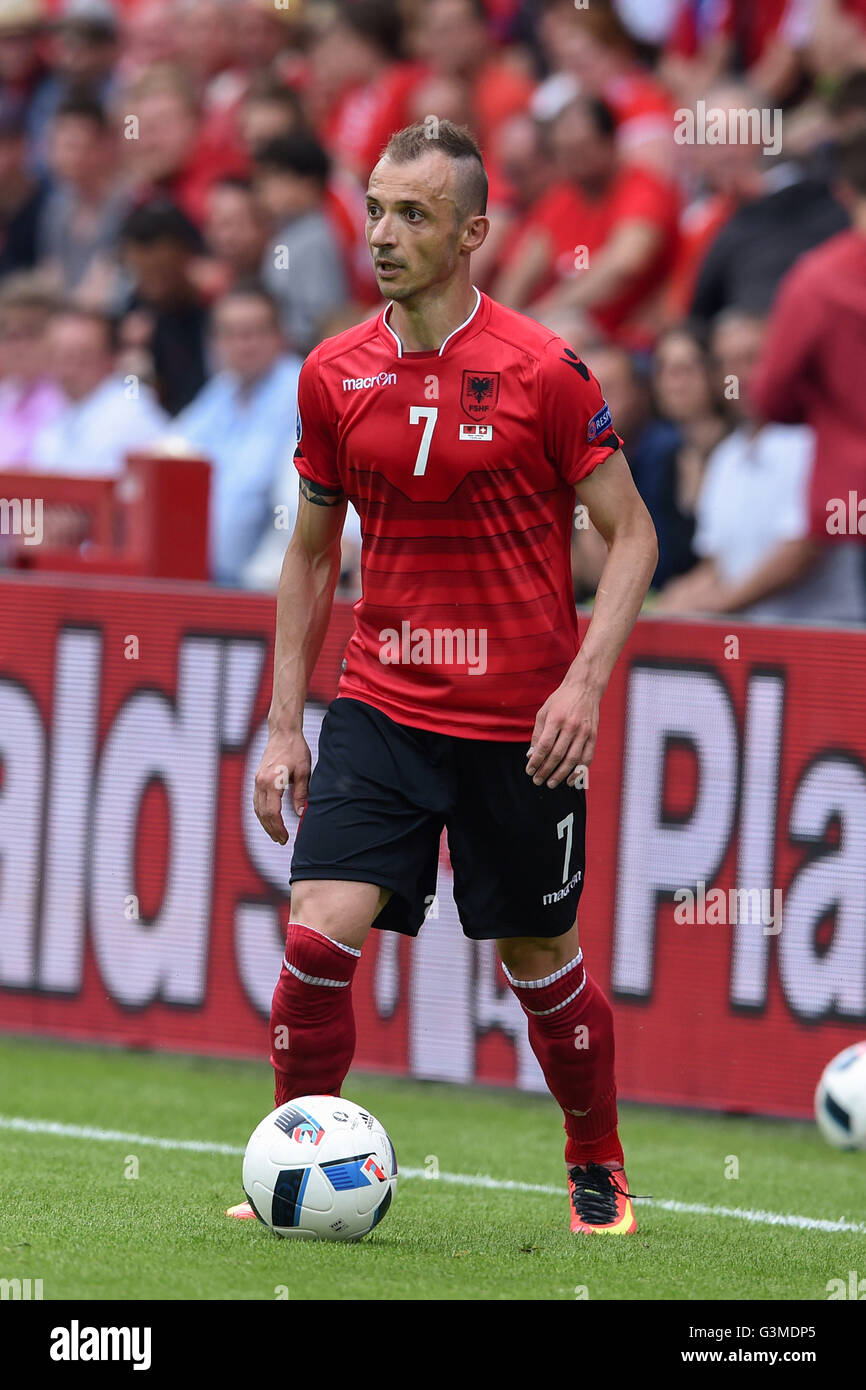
(412, 228)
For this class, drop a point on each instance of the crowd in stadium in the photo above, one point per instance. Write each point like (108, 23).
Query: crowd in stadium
(182, 207)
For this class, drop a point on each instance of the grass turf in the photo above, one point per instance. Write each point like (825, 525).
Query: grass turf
(70, 1216)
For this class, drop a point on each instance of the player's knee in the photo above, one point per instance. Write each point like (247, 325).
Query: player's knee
(534, 958)
(342, 911)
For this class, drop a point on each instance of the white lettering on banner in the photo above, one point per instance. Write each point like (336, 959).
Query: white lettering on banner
(22, 759)
(259, 950)
(441, 1035)
(176, 743)
(756, 840)
(445, 989)
(454, 1000)
(827, 884)
(259, 942)
(386, 985)
(242, 673)
(656, 858)
(75, 707)
(496, 1006)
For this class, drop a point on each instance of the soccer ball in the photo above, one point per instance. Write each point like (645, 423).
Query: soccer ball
(840, 1100)
(320, 1168)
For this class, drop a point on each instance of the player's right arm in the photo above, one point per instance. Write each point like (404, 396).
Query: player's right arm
(311, 569)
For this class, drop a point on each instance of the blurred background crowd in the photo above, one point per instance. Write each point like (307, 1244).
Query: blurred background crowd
(181, 206)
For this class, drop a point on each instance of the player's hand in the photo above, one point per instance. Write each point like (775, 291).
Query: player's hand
(285, 762)
(564, 737)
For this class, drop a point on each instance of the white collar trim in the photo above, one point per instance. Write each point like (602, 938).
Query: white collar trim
(386, 311)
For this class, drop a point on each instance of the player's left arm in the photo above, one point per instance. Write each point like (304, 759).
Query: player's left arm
(566, 726)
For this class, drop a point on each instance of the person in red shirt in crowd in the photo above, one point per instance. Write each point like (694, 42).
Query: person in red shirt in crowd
(591, 52)
(357, 61)
(729, 176)
(172, 156)
(454, 40)
(149, 35)
(204, 42)
(525, 171)
(756, 39)
(263, 47)
(814, 360)
(602, 240)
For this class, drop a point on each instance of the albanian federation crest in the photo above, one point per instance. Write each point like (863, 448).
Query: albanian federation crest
(480, 393)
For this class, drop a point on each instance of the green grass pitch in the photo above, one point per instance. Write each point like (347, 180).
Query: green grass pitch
(72, 1214)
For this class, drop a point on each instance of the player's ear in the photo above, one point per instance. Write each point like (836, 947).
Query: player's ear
(475, 233)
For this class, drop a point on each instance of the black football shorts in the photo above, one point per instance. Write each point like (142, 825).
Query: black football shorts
(380, 794)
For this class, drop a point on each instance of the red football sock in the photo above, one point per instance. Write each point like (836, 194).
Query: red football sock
(571, 1034)
(312, 1021)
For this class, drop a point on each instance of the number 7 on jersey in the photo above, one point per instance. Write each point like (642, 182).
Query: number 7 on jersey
(429, 414)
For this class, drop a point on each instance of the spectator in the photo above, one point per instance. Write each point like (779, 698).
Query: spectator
(603, 237)
(453, 40)
(243, 421)
(205, 44)
(80, 219)
(759, 40)
(721, 178)
(685, 396)
(651, 447)
(21, 195)
(22, 69)
(104, 416)
(235, 232)
(752, 532)
(83, 55)
(525, 171)
(814, 362)
(784, 210)
(171, 154)
(150, 37)
(833, 36)
(262, 570)
(164, 316)
(302, 265)
(592, 54)
(29, 398)
(268, 37)
(268, 110)
(271, 111)
(362, 48)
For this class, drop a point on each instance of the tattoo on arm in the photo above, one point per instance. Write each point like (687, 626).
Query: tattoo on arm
(321, 496)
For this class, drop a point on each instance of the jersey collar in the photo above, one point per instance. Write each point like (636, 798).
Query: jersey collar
(467, 329)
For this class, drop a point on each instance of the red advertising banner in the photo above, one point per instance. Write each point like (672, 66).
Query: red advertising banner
(141, 903)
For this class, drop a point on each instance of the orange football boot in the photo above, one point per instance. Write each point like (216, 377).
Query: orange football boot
(242, 1212)
(600, 1201)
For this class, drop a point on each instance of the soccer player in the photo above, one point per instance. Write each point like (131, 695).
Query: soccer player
(461, 431)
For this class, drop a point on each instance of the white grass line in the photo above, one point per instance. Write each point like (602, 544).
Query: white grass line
(477, 1180)
(118, 1136)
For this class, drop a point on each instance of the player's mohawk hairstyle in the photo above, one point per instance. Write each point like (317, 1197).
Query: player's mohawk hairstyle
(456, 142)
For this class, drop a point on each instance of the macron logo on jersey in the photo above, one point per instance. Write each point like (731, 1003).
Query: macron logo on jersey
(600, 421)
(363, 383)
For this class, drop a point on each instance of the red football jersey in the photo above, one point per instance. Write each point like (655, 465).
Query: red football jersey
(461, 464)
